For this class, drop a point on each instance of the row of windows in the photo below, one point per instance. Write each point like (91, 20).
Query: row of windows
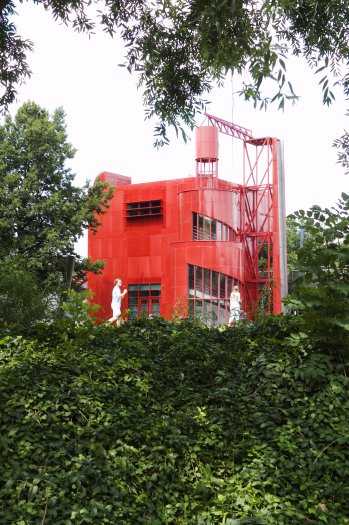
(208, 229)
(206, 284)
(143, 209)
(204, 228)
(210, 312)
(208, 296)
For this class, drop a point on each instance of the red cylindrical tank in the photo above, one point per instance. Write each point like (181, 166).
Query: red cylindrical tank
(206, 144)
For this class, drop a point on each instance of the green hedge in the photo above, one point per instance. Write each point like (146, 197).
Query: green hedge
(171, 423)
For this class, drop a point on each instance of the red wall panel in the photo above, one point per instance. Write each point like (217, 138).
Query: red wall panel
(156, 249)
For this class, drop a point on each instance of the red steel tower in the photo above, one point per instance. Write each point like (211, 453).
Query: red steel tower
(181, 245)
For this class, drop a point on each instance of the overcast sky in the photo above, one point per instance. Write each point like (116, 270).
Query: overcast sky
(105, 116)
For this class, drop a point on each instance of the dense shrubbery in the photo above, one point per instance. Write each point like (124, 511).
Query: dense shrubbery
(171, 423)
(321, 292)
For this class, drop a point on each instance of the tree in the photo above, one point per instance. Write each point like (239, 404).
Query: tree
(297, 237)
(42, 214)
(322, 289)
(22, 298)
(293, 243)
(181, 49)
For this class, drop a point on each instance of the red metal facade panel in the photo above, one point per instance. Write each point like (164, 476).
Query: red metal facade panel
(145, 249)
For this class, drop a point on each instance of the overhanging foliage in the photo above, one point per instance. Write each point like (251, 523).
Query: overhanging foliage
(179, 50)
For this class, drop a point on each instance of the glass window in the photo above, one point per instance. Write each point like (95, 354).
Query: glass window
(155, 207)
(191, 280)
(144, 308)
(215, 284)
(215, 314)
(144, 289)
(144, 300)
(207, 313)
(208, 229)
(143, 209)
(195, 226)
(198, 309)
(201, 228)
(224, 232)
(230, 286)
(191, 305)
(223, 311)
(155, 307)
(207, 277)
(214, 230)
(222, 285)
(208, 295)
(133, 312)
(198, 281)
(219, 231)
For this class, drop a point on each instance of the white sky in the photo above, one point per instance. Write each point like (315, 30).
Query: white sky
(105, 117)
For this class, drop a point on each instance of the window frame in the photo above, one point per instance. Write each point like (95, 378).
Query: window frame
(144, 209)
(144, 294)
(209, 295)
(206, 228)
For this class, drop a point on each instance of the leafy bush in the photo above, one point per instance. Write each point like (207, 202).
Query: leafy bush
(21, 298)
(79, 307)
(321, 292)
(171, 423)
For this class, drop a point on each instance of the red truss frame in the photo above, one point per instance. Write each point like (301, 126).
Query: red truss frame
(259, 212)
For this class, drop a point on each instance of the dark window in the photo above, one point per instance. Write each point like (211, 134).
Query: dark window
(201, 227)
(207, 279)
(144, 300)
(214, 230)
(209, 295)
(198, 282)
(143, 209)
(207, 229)
(215, 276)
(191, 281)
(195, 226)
(222, 285)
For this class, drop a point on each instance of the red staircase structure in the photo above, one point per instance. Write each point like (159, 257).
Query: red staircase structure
(262, 215)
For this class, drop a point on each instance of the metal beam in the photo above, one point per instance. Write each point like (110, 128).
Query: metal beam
(229, 128)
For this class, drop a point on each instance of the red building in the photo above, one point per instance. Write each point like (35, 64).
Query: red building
(179, 246)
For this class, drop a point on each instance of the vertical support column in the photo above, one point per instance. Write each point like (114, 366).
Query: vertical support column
(276, 247)
(282, 223)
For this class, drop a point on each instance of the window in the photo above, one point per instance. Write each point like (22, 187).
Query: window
(209, 295)
(143, 209)
(207, 229)
(144, 300)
